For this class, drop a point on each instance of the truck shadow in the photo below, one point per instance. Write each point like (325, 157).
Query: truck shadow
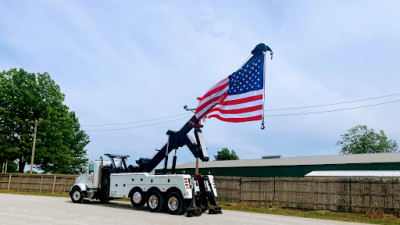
(113, 204)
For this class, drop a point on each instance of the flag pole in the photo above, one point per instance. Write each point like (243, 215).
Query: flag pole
(257, 51)
(262, 122)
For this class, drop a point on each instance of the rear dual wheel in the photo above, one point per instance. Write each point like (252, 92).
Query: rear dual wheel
(175, 203)
(155, 201)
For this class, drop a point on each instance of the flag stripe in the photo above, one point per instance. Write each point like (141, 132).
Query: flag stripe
(239, 106)
(237, 120)
(245, 95)
(242, 100)
(211, 99)
(247, 114)
(206, 108)
(237, 111)
(218, 87)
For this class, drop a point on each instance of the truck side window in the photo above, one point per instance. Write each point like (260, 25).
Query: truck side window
(91, 168)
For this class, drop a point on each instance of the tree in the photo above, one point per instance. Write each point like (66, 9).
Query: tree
(60, 146)
(9, 166)
(225, 154)
(360, 139)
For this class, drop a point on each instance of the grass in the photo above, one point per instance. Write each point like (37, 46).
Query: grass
(35, 193)
(123, 199)
(372, 218)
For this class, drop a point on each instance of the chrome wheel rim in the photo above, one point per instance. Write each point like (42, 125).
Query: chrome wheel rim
(173, 203)
(153, 202)
(137, 197)
(76, 195)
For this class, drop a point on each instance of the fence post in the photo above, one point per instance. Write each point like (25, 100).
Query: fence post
(261, 202)
(274, 193)
(41, 182)
(9, 183)
(65, 185)
(350, 196)
(54, 183)
(19, 181)
(240, 189)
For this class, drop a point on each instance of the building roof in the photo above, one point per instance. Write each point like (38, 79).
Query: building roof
(355, 173)
(296, 161)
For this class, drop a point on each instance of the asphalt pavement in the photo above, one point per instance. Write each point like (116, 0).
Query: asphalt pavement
(28, 209)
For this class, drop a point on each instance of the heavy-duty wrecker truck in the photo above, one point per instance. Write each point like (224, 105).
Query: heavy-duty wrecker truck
(177, 193)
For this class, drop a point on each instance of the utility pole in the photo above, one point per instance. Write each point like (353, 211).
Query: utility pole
(36, 122)
(4, 168)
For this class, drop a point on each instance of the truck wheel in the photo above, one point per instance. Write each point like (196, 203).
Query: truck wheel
(175, 203)
(137, 198)
(155, 201)
(76, 195)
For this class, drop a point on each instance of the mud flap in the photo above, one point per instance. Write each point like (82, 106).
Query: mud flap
(215, 210)
(193, 212)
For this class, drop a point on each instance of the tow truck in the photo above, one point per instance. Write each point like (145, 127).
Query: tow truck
(177, 193)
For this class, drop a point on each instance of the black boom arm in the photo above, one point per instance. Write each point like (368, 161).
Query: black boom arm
(178, 139)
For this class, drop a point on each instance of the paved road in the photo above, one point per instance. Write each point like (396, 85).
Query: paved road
(26, 209)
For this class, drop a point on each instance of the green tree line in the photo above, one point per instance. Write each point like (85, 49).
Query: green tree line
(60, 142)
(360, 139)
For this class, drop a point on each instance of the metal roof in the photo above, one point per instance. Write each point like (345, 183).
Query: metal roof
(308, 160)
(355, 173)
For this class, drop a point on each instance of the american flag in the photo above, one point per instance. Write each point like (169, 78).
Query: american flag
(237, 98)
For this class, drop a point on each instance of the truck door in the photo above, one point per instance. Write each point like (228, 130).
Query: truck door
(115, 186)
(90, 177)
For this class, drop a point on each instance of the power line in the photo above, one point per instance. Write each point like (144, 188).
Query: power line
(141, 121)
(330, 104)
(276, 109)
(147, 125)
(277, 115)
(333, 110)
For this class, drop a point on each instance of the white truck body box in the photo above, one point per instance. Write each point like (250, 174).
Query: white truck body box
(122, 183)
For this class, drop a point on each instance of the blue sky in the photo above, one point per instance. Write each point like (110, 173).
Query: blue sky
(127, 61)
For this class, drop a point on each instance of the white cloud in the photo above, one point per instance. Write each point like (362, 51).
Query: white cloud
(128, 61)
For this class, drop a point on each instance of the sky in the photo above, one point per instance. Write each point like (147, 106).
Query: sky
(123, 62)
